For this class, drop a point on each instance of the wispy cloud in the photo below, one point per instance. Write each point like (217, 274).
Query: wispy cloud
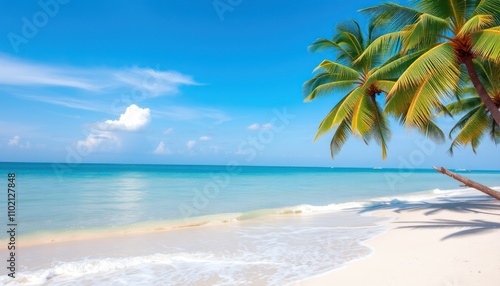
(257, 126)
(64, 101)
(161, 149)
(267, 126)
(190, 144)
(21, 73)
(16, 72)
(205, 138)
(154, 82)
(168, 131)
(96, 139)
(14, 141)
(254, 126)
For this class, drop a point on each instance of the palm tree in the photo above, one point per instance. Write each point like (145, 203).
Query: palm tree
(476, 120)
(358, 112)
(434, 39)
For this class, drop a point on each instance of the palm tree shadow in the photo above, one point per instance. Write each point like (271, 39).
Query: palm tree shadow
(470, 227)
(444, 204)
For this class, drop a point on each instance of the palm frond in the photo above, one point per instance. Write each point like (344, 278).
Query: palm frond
(438, 62)
(351, 45)
(495, 130)
(346, 107)
(475, 24)
(453, 9)
(487, 44)
(471, 130)
(464, 105)
(488, 74)
(385, 85)
(350, 27)
(382, 46)
(380, 130)
(433, 132)
(343, 71)
(342, 133)
(362, 118)
(425, 101)
(323, 44)
(395, 15)
(424, 32)
(327, 88)
(488, 7)
(327, 123)
(394, 67)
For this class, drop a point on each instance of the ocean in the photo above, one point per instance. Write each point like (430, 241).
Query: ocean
(113, 224)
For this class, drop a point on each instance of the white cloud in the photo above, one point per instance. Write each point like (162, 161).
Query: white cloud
(190, 144)
(21, 73)
(134, 118)
(161, 149)
(257, 126)
(254, 126)
(267, 126)
(14, 141)
(168, 131)
(67, 102)
(205, 138)
(149, 82)
(154, 82)
(96, 139)
(17, 142)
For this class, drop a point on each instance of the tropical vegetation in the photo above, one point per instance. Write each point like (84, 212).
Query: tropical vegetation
(359, 111)
(430, 58)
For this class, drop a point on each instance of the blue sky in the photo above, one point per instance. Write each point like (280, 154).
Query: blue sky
(181, 82)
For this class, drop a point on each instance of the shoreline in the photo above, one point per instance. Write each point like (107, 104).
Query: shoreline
(47, 237)
(445, 242)
(251, 247)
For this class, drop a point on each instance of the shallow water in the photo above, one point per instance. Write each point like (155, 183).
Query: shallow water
(201, 225)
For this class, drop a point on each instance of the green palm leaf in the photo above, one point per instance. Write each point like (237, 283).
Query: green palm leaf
(392, 14)
(475, 24)
(472, 129)
(340, 136)
(327, 124)
(487, 44)
(362, 118)
(424, 32)
(328, 88)
(380, 130)
(487, 7)
(357, 112)
(438, 62)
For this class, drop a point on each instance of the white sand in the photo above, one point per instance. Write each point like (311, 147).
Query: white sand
(451, 244)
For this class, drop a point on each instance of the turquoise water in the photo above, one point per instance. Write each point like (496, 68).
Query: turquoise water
(107, 195)
(203, 225)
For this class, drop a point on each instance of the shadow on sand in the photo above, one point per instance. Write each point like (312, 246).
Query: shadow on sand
(477, 205)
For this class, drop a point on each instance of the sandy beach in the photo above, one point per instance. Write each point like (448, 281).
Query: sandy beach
(446, 243)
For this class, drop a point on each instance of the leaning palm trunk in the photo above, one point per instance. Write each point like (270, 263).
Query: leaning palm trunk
(469, 183)
(490, 105)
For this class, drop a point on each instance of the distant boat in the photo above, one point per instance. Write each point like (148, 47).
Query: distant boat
(460, 170)
(377, 168)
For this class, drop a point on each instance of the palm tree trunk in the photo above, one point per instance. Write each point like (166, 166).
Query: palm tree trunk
(469, 183)
(492, 108)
